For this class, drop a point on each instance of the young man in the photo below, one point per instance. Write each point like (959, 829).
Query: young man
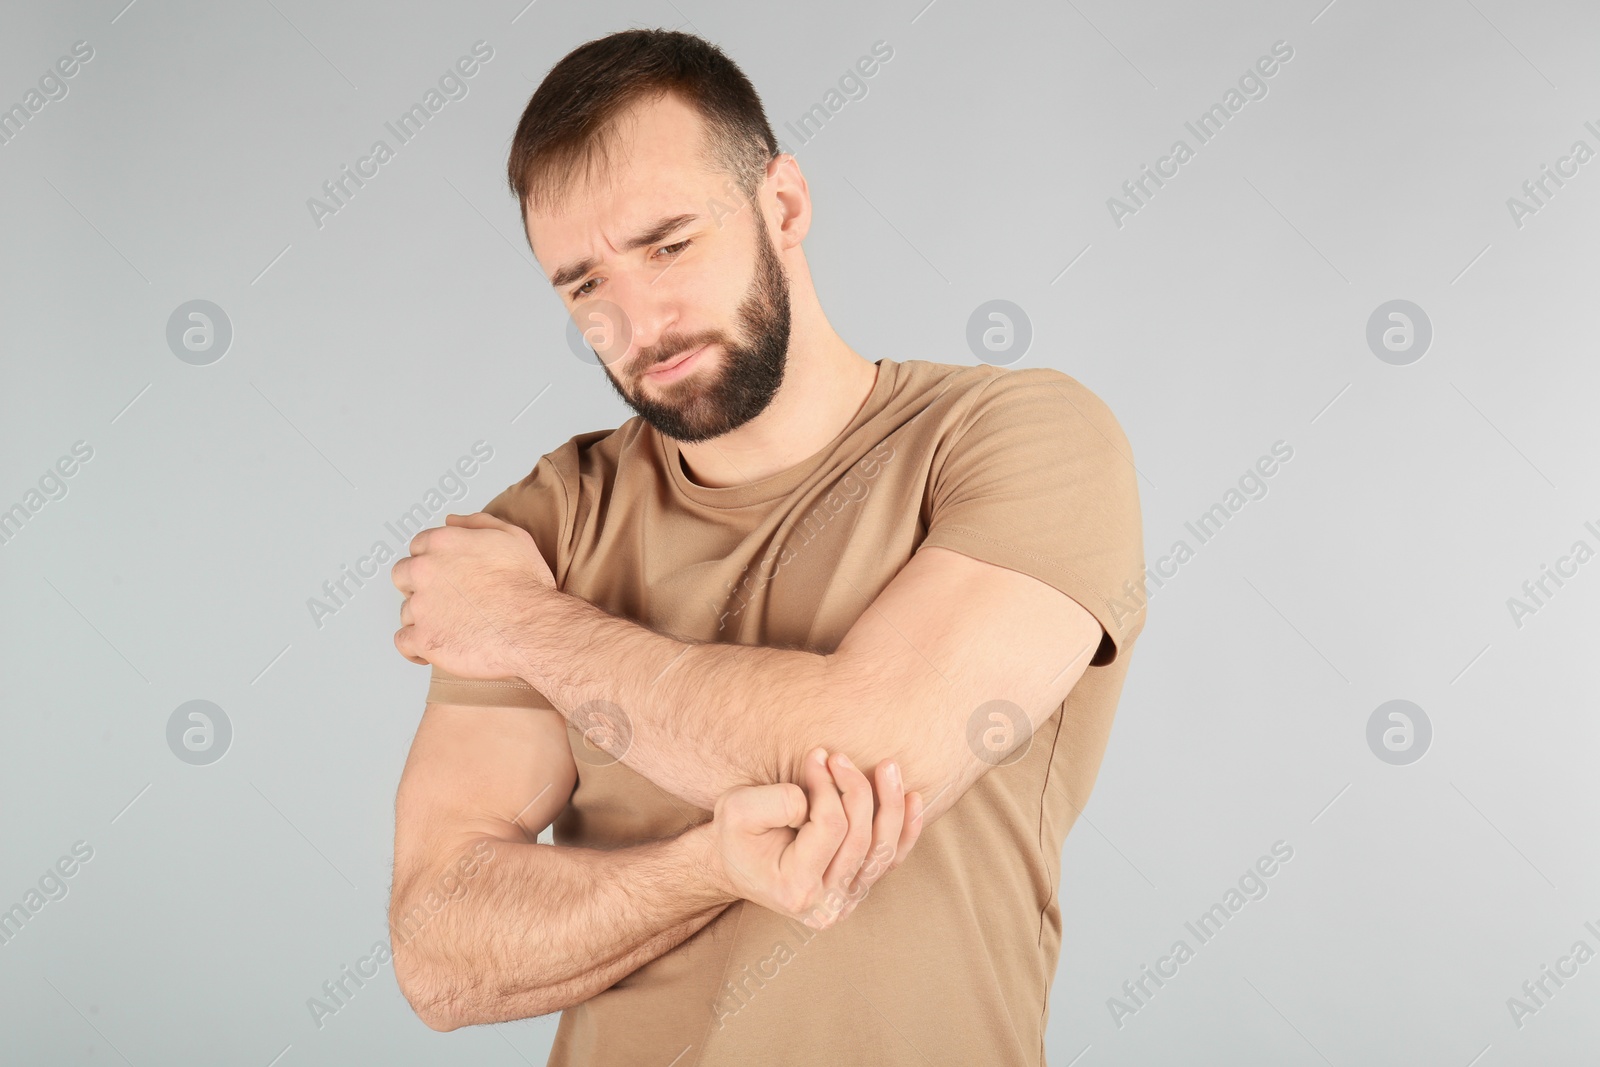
(927, 569)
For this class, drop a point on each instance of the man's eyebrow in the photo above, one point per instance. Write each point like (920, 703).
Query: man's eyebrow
(573, 271)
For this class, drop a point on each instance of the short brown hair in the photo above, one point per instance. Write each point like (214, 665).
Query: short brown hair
(568, 126)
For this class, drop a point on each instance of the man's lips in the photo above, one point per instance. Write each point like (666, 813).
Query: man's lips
(663, 368)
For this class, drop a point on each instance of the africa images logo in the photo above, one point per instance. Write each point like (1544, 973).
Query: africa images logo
(340, 190)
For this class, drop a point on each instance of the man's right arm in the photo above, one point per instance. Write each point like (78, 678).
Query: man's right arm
(490, 925)
(486, 923)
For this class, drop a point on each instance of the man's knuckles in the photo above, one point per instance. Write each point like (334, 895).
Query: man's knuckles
(793, 899)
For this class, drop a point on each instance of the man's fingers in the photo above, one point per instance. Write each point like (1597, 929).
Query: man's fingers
(400, 575)
(886, 826)
(422, 542)
(818, 840)
(768, 807)
(842, 844)
(911, 830)
(857, 802)
(800, 809)
(478, 520)
(402, 641)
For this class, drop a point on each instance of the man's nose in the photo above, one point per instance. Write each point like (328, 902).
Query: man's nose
(649, 313)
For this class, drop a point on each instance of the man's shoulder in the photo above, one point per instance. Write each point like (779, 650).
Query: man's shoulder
(559, 475)
(593, 453)
(985, 395)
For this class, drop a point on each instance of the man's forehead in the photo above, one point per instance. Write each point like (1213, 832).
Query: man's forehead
(653, 167)
(612, 210)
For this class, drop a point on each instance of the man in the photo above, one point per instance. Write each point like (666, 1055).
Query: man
(681, 641)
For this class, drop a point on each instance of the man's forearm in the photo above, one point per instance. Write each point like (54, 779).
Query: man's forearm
(702, 718)
(538, 928)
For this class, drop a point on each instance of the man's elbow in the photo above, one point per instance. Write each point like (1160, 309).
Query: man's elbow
(435, 1020)
(424, 971)
(424, 993)
(443, 1005)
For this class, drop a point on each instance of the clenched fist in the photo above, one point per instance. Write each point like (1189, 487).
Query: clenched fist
(470, 585)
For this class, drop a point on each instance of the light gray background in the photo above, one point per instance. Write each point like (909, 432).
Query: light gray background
(1229, 313)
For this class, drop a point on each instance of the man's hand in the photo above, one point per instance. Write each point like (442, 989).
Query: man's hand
(804, 853)
(468, 584)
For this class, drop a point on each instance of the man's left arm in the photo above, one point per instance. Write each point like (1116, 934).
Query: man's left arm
(948, 636)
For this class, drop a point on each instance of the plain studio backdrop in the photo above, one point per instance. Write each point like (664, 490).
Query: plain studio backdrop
(1381, 260)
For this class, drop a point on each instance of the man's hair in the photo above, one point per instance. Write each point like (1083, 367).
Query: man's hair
(568, 129)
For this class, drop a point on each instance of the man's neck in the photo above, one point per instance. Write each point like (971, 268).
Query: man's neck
(823, 389)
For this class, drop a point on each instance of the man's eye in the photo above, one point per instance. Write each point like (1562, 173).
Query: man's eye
(680, 246)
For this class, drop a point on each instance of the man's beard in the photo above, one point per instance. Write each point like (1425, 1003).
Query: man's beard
(698, 407)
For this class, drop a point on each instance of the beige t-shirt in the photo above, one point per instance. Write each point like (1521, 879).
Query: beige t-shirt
(949, 958)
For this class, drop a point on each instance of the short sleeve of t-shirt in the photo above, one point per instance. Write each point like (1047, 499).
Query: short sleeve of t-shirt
(1040, 479)
(537, 504)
